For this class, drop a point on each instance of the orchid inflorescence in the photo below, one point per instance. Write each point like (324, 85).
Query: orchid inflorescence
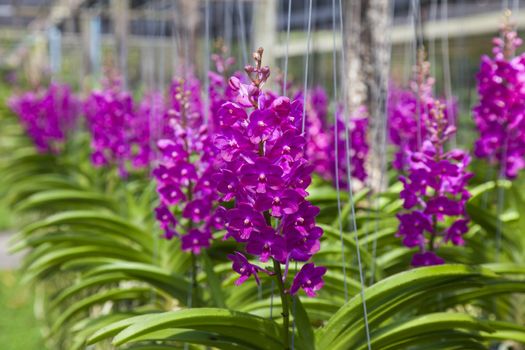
(321, 152)
(409, 110)
(434, 193)
(266, 174)
(500, 114)
(109, 113)
(184, 174)
(47, 115)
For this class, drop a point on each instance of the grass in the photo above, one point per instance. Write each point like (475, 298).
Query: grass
(18, 326)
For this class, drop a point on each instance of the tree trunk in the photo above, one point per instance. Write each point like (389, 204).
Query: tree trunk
(367, 53)
(120, 9)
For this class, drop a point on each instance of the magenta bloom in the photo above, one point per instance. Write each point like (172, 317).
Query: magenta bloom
(310, 278)
(426, 259)
(195, 240)
(262, 176)
(434, 189)
(242, 266)
(499, 116)
(243, 220)
(409, 111)
(185, 171)
(267, 244)
(279, 203)
(265, 173)
(456, 231)
(47, 115)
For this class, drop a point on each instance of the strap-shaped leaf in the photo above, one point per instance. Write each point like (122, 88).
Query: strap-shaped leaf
(419, 326)
(94, 219)
(257, 331)
(135, 293)
(65, 199)
(403, 284)
(159, 277)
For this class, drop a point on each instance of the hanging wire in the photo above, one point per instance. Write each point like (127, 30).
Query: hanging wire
(271, 298)
(285, 78)
(175, 40)
(350, 187)
(206, 61)
(446, 68)
(416, 16)
(162, 58)
(294, 308)
(306, 69)
(432, 40)
(244, 48)
(384, 127)
(228, 26)
(409, 47)
(336, 149)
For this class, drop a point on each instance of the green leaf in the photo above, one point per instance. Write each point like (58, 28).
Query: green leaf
(135, 293)
(65, 199)
(391, 291)
(427, 324)
(246, 328)
(172, 283)
(213, 281)
(305, 331)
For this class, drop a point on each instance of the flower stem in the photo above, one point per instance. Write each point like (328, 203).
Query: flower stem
(285, 304)
(194, 285)
(433, 234)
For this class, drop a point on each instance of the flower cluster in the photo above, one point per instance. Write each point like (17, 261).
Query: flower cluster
(500, 114)
(184, 175)
(219, 90)
(356, 152)
(266, 174)
(109, 113)
(434, 193)
(146, 126)
(47, 115)
(409, 110)
(321, 143)
(318, 138)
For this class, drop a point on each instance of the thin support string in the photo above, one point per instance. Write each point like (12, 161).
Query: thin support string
(175, 41)
(409, 48)
(515, 8)
(350, 189)
(228, 26)
(206, 61)
(244, 48)
(306, 68)
(384, 127)
(272, 288)
(285, 78)
(414, 5)
(155, 252)
(500, 199)
(432, 40)
(162, 58)
(190, 299)
(294, 308)
(446, 69)
(336, 150)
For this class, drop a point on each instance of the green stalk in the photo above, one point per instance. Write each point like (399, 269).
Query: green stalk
(285, 304)
(194, 285)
